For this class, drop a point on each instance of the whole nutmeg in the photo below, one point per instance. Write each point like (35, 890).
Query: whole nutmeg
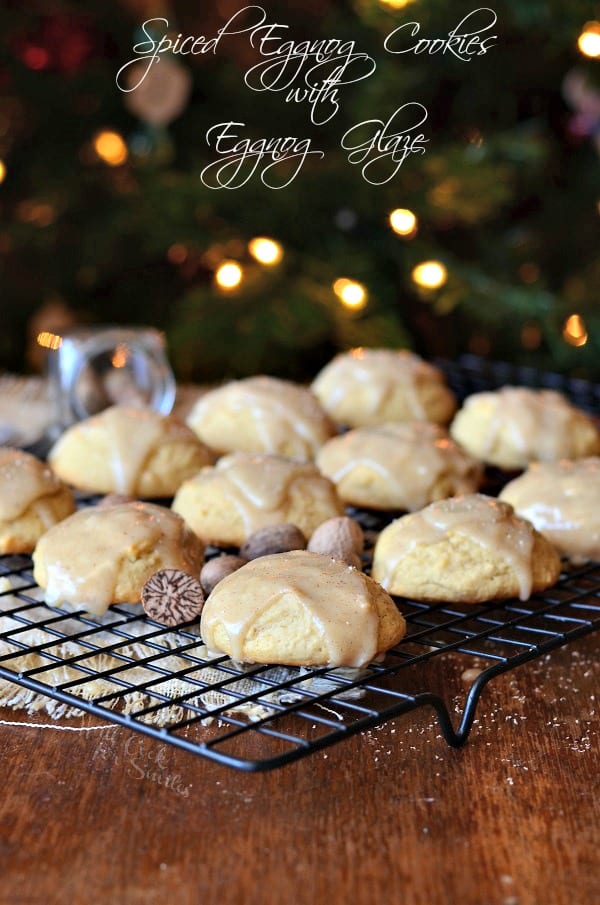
(273, 539)
(172, 597)
(344, 555)
(115, 499)
(341, 538)
(215, 570)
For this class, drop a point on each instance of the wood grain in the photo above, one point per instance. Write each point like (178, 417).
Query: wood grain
(393, 814)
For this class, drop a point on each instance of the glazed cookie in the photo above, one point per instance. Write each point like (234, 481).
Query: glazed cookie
(98, 557)
(131, 451)
(32, 500)
(262, 415)
(366, 387)
(398, 466)
(465, 549)
(224, 505)
(514, 426)
(562, 500)
(300, 609)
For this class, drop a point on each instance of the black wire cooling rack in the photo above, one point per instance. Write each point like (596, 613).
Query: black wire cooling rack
(131, 671)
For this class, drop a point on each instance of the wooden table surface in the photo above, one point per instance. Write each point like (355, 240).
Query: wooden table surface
(93, 813)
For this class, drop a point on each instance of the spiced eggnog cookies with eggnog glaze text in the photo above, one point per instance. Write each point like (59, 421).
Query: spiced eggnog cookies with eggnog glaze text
(101, 556)
(398, 466)
(225, 504)
(300, 609)
(262, 415)
(514, 426)
(562, 500)
(465, 549)
(32, 500)
(129, 451)
(366, 387)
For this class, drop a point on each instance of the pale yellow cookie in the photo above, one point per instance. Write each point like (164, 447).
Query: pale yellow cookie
(262, 415)
(514, 426)
(98, 557)
(562, 500)
(32, 500)
(365, 387)
(465, 549)
(300, 609)
(398, 466)
(129, 450)
(224, 505)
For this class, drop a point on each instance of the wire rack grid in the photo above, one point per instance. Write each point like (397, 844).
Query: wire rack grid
(163, 682)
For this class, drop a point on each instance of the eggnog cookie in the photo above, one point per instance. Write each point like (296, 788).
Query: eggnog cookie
(465, 549)
(262, 415)
(224, 505)
(514, 426)
(130, 451)
(398, 466)
(98, 557)
(32, 500)
(366, 387)
(562, 500)
(300, 609)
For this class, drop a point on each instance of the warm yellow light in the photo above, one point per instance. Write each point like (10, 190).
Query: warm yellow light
(574, 331)
(395, 4)
(589, 40)
(430, 274)
(229, 275)
(265, 251)
(403, 222)
(120, 357)
(358, 352)
(350, 293)
(110, 147)
(49, 340)
(2, 171)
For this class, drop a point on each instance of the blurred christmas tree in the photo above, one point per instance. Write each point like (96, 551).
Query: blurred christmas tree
(105, 217)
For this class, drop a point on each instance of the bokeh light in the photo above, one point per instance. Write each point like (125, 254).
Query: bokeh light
(395, 4)
(265, 251)
(404, 222)
(49, 340)
(589, 40)
(120, 357)
(351, 294)
(430, 274)
(110, 147)
(229, 275)
(575, 331)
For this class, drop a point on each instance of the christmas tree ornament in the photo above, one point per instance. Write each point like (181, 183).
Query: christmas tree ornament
(584, 99)
(159, 96)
